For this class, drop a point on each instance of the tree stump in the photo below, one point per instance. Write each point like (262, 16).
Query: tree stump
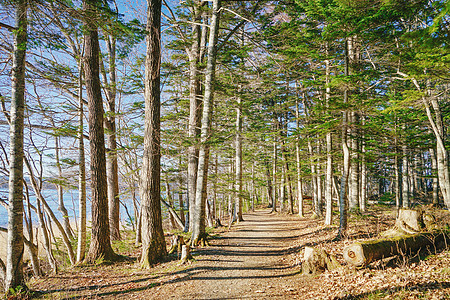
(410, 221)
(176, 244)
(317, 261)
(185, 254)
(217, 223)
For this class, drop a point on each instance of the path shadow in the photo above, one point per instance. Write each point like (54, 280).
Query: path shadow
(422, 287)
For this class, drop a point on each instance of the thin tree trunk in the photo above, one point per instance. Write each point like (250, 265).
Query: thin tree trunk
(405, 178)
(47, 242)
(297, 152)
(112, 167)
(15, 247)
(437, 126)
(81, 245)
(238, 159)
(50, 213)
(180, 194)
(274, 176)
(363, 189)
(153, 243)
(269, 186)
(343, 205)
(254, 195)
(199, 233)
(59, 187)
(435, 183)
(398, 176)
(31, 247)
(329, 141)
(170, 202)
(354, 166)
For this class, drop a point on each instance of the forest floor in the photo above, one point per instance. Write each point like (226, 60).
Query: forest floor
(260, 258)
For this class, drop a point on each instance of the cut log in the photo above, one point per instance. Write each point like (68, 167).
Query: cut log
(317, 261)
(362, 253)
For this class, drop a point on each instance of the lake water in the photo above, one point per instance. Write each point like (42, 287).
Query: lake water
(51, 196)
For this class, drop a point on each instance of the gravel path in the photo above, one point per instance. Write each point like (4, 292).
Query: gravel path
(249, 262)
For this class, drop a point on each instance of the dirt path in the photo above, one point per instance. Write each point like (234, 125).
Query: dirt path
(260, 259)
(246, 263)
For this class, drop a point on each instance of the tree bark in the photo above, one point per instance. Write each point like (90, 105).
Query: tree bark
(329, 141)
(199, 233)
(363, 253)
(15, 244)
(343, 205)
(81, 243)
(354, 165)
(112, 167)
(153, 243)
(297, 153)
(100, 246)
(195, 102)
(435, 183)
(405, 178)
(238, 160)
(363, 188)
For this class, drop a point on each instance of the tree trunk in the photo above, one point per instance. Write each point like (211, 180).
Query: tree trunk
(269, 186)
(112, 167)
(170, 202)
(274, 176)
(238, 158)
(180, 194)
(61, 207)
(297, 152)
(343, 205)
(47, 243)
(354, 166)
(153, 243)
(329, 141)
(15, 247)
(254, 195)
(81, 246)
(50, 213)
(405, 178)
(441, 152)
(397, 171)
(319, 180)
(363, 188)
(195, 103)
(199, 233)
(100, 246)
(435, 183)
(437, 125)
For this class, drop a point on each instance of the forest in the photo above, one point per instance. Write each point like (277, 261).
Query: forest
(151, 125)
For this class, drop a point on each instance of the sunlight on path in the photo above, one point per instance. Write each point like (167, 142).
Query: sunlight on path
(246, 263)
